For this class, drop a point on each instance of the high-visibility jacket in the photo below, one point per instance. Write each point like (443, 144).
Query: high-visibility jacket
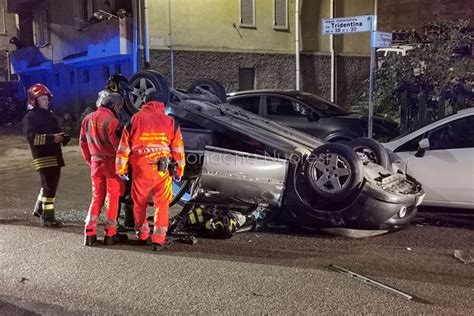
(98, 139)
(151, 134)
(40, 126)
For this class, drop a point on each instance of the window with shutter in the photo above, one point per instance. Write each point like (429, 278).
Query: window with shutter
(247, 13)
(40, 29)
(280, 14)
(3, 24)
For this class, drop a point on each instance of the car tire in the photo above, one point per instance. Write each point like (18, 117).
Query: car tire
(372, 149)
(142, 83)
(209, 87)
(333, 172)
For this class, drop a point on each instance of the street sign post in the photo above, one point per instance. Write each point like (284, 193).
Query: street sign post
(356, 24)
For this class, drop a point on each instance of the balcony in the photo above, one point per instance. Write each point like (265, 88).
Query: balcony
(101, 42)
(98, 42)
(16, 6)
(30, 59)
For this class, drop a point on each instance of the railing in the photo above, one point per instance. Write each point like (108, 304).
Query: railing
(419, 109)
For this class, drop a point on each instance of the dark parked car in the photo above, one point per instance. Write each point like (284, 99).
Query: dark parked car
(238, 160)
(312, 114)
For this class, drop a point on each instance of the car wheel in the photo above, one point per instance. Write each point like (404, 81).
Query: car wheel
(371, 150)
(208, 87)
(143, 83)
(333, 172)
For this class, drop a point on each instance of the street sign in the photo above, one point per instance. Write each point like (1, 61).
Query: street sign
(381, 39)
(355, 24)
(348, 24)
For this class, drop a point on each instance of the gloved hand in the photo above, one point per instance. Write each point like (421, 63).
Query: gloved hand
(176, 178)
(66, 138)
(124, 177)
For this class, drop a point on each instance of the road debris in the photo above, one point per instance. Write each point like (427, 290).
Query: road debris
(370, 281)
(464, 255)
(23, 279)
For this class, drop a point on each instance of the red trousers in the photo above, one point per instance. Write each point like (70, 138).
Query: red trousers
(145, 179)
(104, 183)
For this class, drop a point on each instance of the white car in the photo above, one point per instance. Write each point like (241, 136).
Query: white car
(441, 157)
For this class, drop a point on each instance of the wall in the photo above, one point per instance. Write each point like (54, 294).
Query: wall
(273, 71)
(352, 44)
(207, 44)
(10, 28)
(403, 14)
(214, 25)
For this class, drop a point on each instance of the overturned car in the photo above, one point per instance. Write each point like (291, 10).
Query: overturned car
(238, 160)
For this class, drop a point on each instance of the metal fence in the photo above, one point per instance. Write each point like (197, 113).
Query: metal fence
(418, 108)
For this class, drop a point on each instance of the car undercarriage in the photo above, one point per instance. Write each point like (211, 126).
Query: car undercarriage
(236, 160)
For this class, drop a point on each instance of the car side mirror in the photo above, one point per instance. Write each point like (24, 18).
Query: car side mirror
(423, 146)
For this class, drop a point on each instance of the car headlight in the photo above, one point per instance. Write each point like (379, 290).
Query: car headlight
(402, 212)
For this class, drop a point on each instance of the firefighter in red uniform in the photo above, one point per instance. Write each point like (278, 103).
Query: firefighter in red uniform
(44, 137)
(149, 142)
(99, 143)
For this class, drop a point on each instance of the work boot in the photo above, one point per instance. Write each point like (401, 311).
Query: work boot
(90, 240)
(118, 238)
(52, 223)
(160, 246)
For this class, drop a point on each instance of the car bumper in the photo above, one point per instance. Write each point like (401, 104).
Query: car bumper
(378, 209)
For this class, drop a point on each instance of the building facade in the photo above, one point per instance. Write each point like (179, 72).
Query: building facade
(8, 29)
(73, 46)
(250, 44)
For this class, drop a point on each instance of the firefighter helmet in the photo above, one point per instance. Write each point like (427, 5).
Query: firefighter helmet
(118, 83)
(35, 91)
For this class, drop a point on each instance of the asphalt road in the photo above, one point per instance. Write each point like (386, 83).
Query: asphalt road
(45, 271)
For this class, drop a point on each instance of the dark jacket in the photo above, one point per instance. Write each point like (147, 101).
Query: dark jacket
(40, 126)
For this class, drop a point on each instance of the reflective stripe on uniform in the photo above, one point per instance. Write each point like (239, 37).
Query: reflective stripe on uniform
(48, 206)
(123, 149)
(111, 223)
(45, 162)
(152, 149)
(142, 228)
(91, 140)
(102, 156)
(47, 199)
(192, 218)
(121, 161)
(159, 230)
(40, 139)
(177, 149)
(198, 212)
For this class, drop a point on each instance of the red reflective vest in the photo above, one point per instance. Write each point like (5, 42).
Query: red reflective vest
(150, 135)
(98, 139)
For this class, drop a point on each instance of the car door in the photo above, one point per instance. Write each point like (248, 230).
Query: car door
(446, 170)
